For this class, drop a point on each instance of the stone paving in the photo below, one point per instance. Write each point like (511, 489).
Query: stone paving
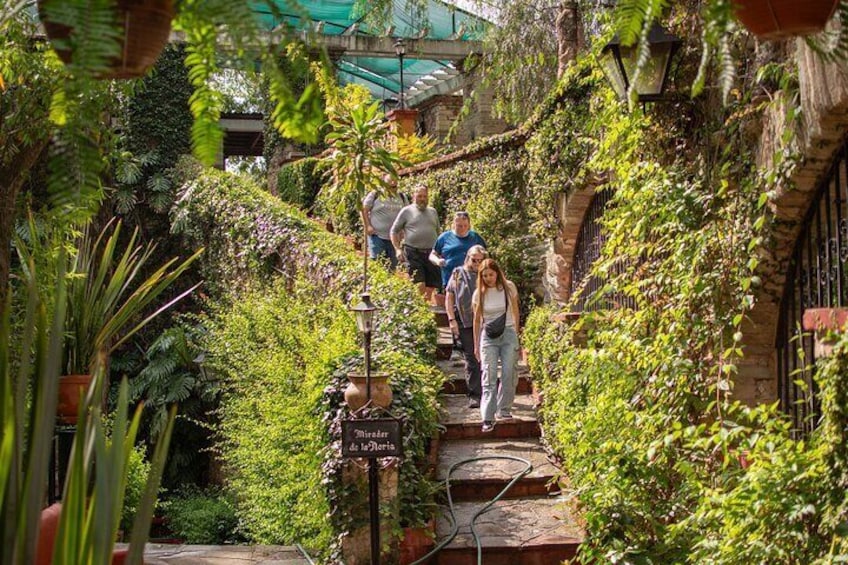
(163, 554)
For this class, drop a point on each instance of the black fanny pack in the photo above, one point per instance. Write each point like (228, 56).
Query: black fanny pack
(495, 328)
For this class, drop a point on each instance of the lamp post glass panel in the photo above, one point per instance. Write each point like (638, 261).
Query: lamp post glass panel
(400, 49)
(619, 64)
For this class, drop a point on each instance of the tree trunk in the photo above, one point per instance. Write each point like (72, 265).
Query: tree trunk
(569, 31)
(12, 178)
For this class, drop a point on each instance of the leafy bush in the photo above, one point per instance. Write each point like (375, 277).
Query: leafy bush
(638, 401)
(202, 517)
(250, 235)
(137, 470)
(272, 349)
(278, 341)
(300, 182)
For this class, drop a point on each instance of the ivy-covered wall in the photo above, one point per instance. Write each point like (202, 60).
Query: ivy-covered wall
(641, 404)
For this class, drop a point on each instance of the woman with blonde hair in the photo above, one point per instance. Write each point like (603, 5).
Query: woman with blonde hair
(496, 328)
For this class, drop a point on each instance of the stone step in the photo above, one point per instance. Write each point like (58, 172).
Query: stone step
(441, 316)
(483, 480)
(530, 531)
(462, 422)
(444, 344)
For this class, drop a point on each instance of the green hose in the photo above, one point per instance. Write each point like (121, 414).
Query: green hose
(481, 511)
(303, 552)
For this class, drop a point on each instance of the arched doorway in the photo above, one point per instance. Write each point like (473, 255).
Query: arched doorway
(817, 277)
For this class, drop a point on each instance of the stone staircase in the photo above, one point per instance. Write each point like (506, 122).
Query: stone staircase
(531, 524)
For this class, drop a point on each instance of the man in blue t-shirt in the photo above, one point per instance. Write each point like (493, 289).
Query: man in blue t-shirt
(452, 245)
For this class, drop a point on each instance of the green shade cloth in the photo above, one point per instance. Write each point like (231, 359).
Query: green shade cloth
(380, 75)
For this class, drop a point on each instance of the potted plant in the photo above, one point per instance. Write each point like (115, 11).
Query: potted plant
(30, 360)
(139, 30)
(105, 299)
(779, 19)
(359, 160)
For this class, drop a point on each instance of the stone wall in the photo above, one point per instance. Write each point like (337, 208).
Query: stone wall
(480, 122)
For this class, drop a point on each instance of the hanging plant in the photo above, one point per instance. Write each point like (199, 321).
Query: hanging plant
(130, 33)
(779, 19)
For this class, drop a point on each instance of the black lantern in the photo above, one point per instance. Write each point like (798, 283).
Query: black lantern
(400, 50)
(619, 63)
(364, 312)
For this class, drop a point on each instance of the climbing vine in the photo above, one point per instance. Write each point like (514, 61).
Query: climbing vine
(639, 402)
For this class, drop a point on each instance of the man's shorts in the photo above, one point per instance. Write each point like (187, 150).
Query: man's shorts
(420, 268)
(377, 246)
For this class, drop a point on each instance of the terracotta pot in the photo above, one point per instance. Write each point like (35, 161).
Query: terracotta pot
(779, 19)
(146, 27)
(47, 530)
(47, 534)
(356, 393)
(416, 543)
(72, 391)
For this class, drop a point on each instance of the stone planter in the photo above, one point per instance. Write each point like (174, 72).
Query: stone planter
(356, 394)
(824, 322)
(580, 337)
(779, 19)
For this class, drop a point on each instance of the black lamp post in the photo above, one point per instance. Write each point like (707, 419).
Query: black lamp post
(400, 49)
(364, 312)
(619, 63)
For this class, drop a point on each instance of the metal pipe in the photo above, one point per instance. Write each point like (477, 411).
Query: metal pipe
(373, 478)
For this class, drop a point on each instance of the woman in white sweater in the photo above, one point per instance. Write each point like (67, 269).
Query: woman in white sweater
(496, 328)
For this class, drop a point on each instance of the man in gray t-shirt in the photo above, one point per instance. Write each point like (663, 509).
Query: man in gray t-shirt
(420, 225)
(378, 215)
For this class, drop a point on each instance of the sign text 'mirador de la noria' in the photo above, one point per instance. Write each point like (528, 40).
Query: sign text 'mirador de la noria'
(371, 438)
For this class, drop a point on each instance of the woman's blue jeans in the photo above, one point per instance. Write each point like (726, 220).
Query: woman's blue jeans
(503, 348)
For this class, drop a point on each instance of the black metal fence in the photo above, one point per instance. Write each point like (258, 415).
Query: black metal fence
(585, 287)
(816, 279)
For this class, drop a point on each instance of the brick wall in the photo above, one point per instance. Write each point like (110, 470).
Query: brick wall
(438, 115)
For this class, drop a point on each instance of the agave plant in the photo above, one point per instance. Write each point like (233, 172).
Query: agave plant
(92, 500)
(91, 515)
(103, 306)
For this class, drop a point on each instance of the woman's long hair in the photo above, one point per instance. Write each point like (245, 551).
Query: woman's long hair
(500, 280)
